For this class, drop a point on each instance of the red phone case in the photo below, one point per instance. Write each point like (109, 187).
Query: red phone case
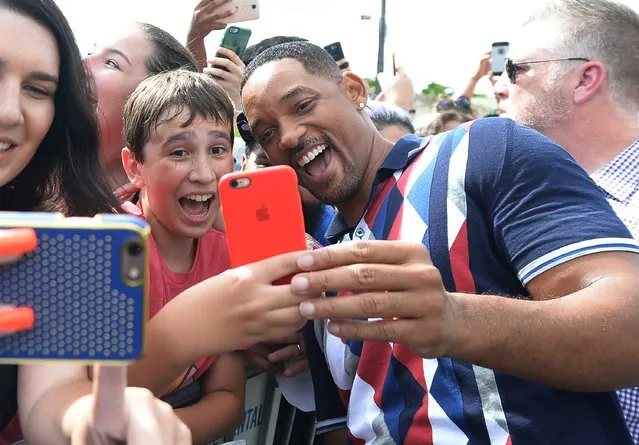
(265, 218)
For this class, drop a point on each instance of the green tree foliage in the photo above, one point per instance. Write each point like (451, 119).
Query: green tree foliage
(435, 89)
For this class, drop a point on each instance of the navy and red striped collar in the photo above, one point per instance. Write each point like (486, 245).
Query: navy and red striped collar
(398, 158)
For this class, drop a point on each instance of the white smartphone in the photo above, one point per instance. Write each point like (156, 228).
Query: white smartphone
(498, 57)
(245, 10)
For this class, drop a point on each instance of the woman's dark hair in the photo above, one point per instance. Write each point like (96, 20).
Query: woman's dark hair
(167, 53)
(65, 173)
(437, 124)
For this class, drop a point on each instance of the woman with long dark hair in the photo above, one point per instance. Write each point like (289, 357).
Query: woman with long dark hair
(49, 161)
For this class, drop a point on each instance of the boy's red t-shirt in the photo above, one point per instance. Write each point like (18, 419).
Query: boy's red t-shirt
(211, 259)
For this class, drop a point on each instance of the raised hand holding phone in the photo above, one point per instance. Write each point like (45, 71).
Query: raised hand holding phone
(227, 66)
(397, 89)
(227, 69)
(243, 10)
(337, 53)
(208, 16)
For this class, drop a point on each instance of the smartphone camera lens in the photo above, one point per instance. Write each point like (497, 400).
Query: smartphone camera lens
(234, 183)
(234, 30)
(135, 250)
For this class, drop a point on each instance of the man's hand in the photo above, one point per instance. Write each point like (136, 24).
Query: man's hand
(394, 283)
(576, 334)
(230, 78)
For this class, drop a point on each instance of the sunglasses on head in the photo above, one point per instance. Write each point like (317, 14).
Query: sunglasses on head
(244, 129)
(462, 103)
(513, 67)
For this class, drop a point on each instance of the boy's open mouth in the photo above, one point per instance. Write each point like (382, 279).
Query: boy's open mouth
(196, 205)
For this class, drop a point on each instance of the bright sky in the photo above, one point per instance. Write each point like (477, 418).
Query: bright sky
(434, 40)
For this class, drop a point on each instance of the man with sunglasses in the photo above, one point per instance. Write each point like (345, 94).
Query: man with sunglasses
(573, 75)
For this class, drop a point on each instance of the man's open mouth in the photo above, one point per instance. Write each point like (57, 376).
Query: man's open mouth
(315, 160)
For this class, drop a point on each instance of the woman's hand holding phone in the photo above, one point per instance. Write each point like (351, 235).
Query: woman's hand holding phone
(13, 244)
(113, 413)
(16, 242)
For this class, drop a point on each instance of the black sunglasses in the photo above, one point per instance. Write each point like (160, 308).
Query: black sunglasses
(244, 129)
(462, 103)
(513, 67)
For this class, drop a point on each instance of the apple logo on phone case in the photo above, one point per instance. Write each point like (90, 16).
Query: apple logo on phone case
(262, 214)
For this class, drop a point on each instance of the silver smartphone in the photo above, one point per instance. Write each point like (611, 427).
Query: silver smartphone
(498, 56)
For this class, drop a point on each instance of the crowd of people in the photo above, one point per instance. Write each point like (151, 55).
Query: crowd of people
(479, 277)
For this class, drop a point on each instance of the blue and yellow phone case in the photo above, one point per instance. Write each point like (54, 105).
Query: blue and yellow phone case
(86, 308)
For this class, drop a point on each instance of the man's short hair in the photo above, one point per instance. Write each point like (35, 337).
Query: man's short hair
(255, 50)
(177, 91)
(316, 60)
(599, 30)
(249, 55)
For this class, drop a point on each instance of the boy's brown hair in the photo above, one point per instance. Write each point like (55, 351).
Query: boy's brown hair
(178, 91)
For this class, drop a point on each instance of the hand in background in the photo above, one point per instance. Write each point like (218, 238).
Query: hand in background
(397, 89)
(115, 414)
(206, 18)
(230, 77)
(484, 68)
(125, 192)
(343, 65)
(286, 356)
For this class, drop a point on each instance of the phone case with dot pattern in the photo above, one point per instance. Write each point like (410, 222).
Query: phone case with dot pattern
(85, 308)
